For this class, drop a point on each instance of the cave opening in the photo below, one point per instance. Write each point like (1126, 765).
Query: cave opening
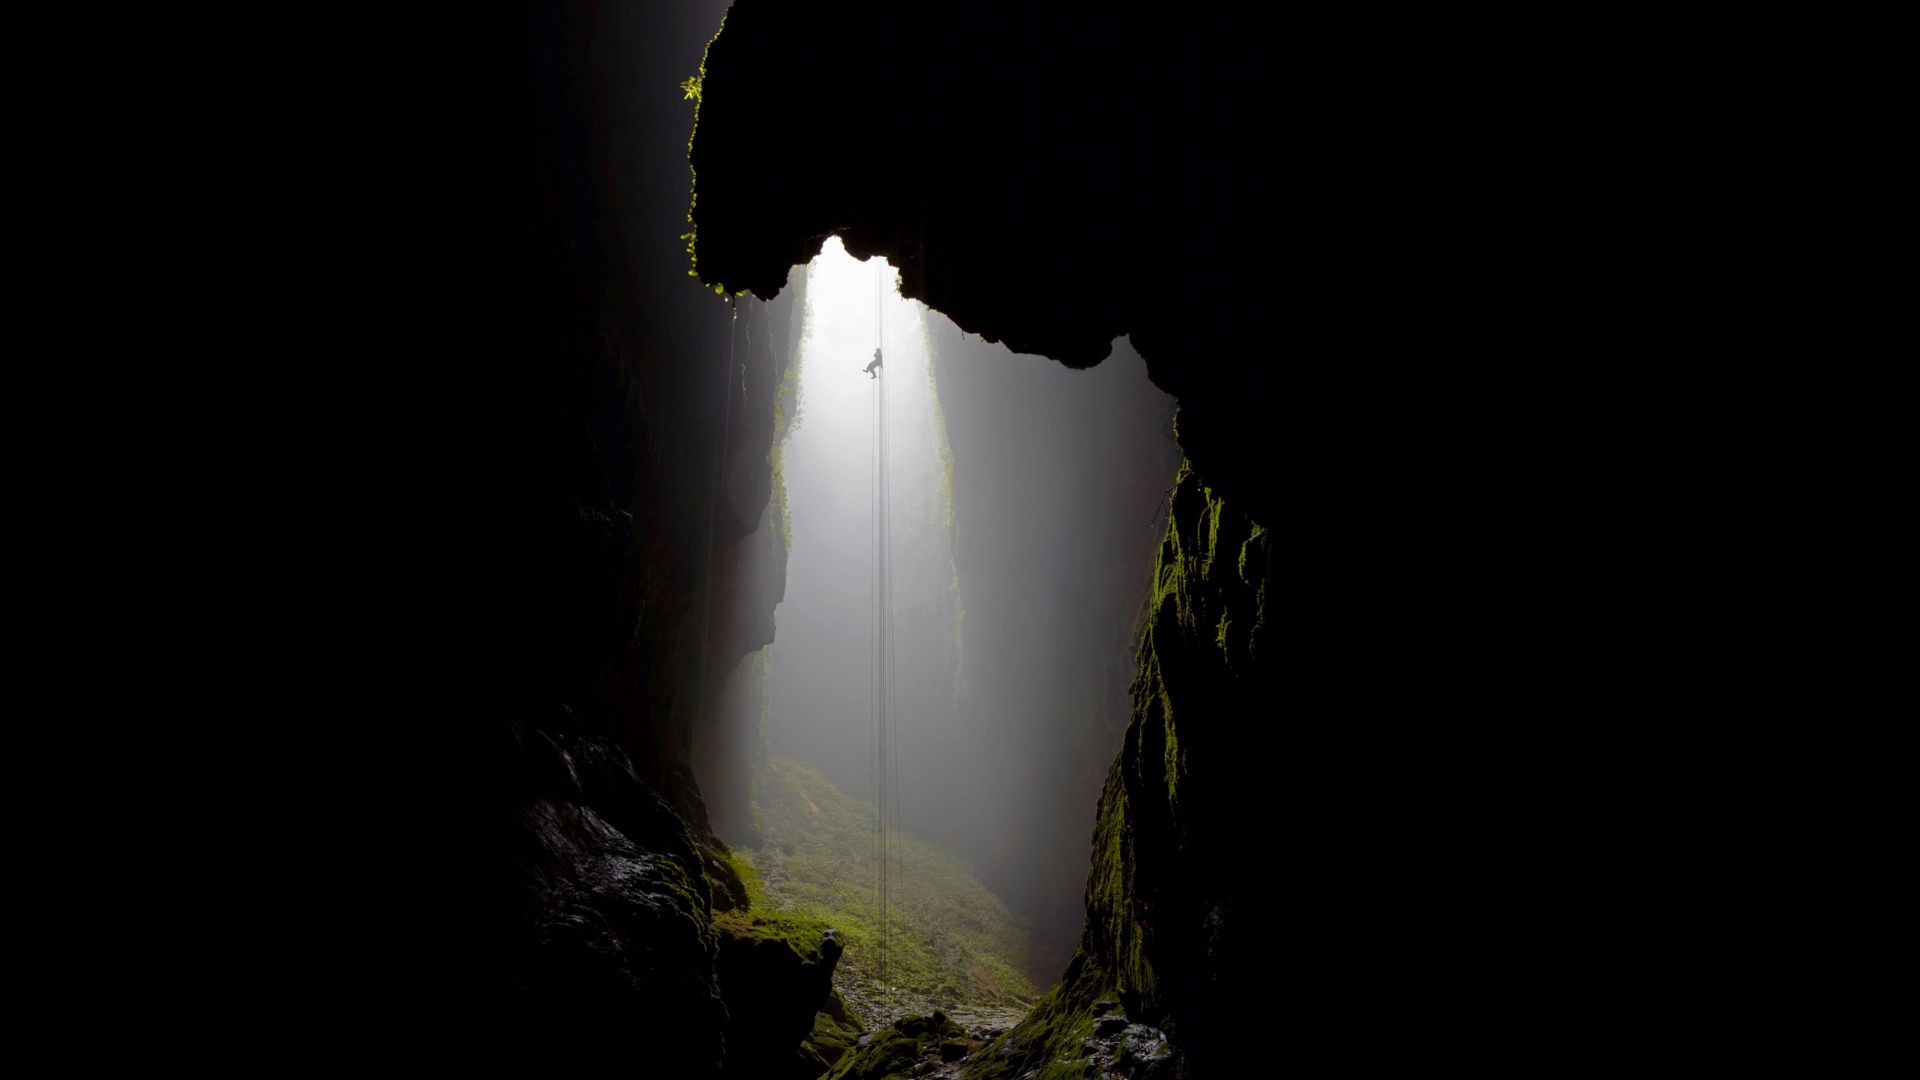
(1335, 727)
(690, 879)
(963, 536)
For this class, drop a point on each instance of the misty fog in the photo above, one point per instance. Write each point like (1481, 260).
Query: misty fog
(1023, 499)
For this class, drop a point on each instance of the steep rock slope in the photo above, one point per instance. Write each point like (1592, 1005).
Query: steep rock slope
(1171, 939)
(638, 414)
(953, 941)
(612, 950)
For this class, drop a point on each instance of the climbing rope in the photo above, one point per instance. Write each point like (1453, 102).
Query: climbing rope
(886, 761)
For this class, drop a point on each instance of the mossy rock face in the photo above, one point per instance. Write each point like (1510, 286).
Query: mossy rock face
(1166, 937)
(723, 878)
(953, 942)
(1167, 900)
(900, 1050)
(775, 974)
(835, 1030)
(1049, 1042)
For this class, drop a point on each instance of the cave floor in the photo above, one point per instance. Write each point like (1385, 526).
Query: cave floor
(980, 1020)
(983, 1022)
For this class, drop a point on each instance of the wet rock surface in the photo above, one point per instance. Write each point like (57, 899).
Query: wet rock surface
(1133, 1051)
(913, 1046)
(611, 916)
(836, 1028)
(939, 1044)
(629, 570)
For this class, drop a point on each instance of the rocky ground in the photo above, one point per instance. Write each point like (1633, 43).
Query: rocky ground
(984, 1021)
(914, 1046)
(943, 1046)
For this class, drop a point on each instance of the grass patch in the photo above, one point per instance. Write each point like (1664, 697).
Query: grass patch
(952, 941)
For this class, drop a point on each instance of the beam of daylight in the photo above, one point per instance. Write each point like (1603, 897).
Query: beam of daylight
(820, 704)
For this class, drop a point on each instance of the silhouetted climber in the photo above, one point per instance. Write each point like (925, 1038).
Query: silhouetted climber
(875, 364)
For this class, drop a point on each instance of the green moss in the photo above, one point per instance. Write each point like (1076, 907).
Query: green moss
(1050, 1042)
(1195, 606)
(742, 867)
(1173, 766)
(836, 1028)
(691, 87)
(887, 1056)
(1171, 597)
(1241, 567)
(1112, 930)
(1214, 506)
(802, 933)
(951, 940)
(762, 918)
(898, 1051)
(1255, 567)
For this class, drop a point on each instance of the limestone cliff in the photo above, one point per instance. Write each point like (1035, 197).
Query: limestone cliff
(1170, 940)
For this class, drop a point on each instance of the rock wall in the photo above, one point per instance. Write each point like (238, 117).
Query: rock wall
(639, 415)
(1389, 385)
(775, 982)
(1172, 940)
(1054, 180)
(612, 947)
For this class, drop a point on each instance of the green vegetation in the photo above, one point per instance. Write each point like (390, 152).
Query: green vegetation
(1050, 1044)
(1174, 563)
(1214, 506)
(952, 941)
(836, 1028)
(1258, 549)
(691, 87)
(896, 1051)
(762, 919)
(1111, 968)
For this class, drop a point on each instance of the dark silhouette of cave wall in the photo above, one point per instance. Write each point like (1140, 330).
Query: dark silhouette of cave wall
(639, 413)
(1368, 255)
(1186, 897)
(638, 456)
(1054, 178)
(1384, 283)
(1050, 176)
